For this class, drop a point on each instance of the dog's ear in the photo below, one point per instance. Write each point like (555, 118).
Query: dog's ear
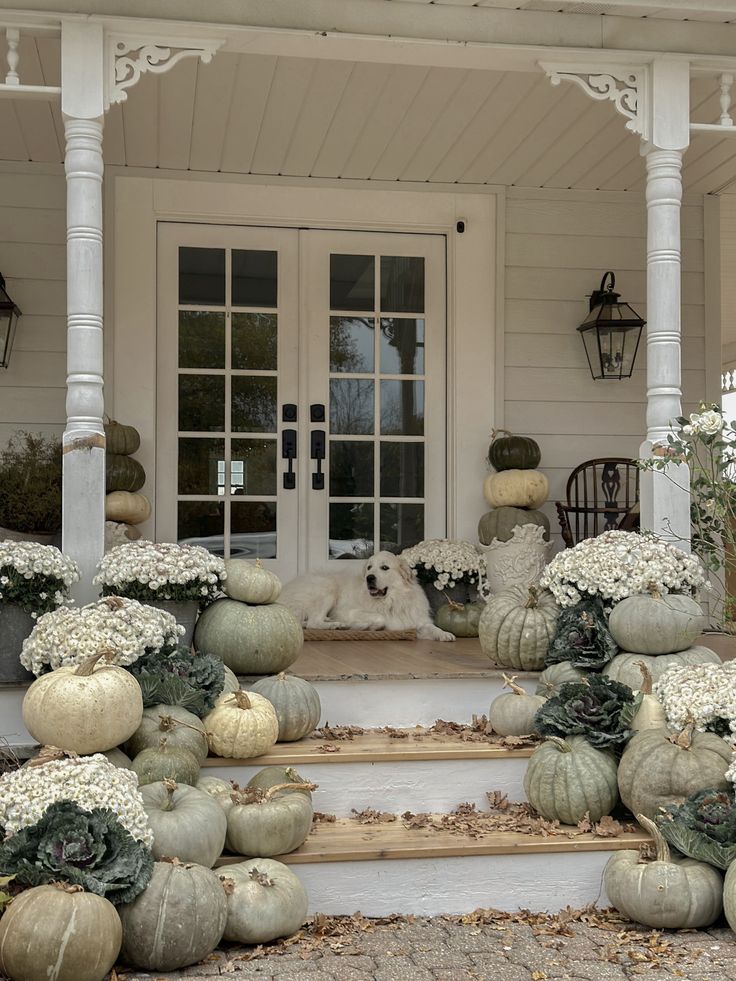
(406, 570)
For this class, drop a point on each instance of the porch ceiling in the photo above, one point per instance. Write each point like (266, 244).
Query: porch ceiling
(673, 10)
(304, 117)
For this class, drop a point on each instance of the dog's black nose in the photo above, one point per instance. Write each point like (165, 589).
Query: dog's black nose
(371, 580)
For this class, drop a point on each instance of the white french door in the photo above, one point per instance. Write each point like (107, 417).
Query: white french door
(301, 405)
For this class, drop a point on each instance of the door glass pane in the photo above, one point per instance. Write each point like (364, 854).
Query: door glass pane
(402, 525)
(351, 531)
(202, 276)
(201, 339)
(351, 468)
(254, 341)
(351, 344)
(254, 278)
(201, 466)
(402, 408)
(253, 466)
(253, 529)
(202, 523)
(253, 404)
(402, 284)
(201, 403)
(351, 406)
(402, 346)
(352, 282)
(402, 469)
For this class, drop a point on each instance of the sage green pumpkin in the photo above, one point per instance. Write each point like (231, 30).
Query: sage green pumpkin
(123, 473)
(118, 758)
(250, 583)
(249, 639)
(268, 822)
(231, 682)
(656, 623)
(164, 762)
(659, 767)
(729, 896)
(669, 893)
(296, 703)
(625, 668)
(219, 790)
(460, 619)
(268, 901)
(568, 778)
(121, 439)
(186, 822)
(54, 933)
(181, 728)
(269, 776)
(556, 675)
(512, 713)
(499, 523)
(510, 452)
(517, 626)
(177, 920)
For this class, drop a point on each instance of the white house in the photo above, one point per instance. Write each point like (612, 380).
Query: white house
(358, 228)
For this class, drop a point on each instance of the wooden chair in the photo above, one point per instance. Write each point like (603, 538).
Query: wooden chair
(602, 495)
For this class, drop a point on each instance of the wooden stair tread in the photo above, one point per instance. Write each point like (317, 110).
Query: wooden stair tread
(374, 746)
(346, 840)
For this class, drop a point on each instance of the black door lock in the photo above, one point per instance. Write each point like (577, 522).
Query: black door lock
(318, 447)
(288, 452)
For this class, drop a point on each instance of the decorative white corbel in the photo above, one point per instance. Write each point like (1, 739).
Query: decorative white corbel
(128, 57)
(623, 85)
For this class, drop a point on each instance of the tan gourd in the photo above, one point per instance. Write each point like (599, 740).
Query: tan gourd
(241, 725)
(130, 508)
(249, 582)
(650, 714)
(516, 489)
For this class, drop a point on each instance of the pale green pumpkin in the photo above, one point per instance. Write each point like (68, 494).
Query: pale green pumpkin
(186, 822)
(249, 639)
(269, 822)
(568, 778)
(512, 713)
(266, 901)
(296, 703)
(656, 623)
(164, 762)
(625, 668)
(460, 619)
(517, 626)
(499, 523)
(181, 728)
(556, 675)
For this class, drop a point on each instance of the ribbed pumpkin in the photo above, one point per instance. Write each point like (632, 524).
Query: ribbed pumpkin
(269, 776)
(181, 728)
(510, 452)
(659, 767)
(118, 758)
(123, 473)
(668, 893)
(121, 439)
(516, 489)
(129, 508)
(296, 703)
(460, 619)
(176, 921)
(516, 627)
(241, 725)
(266, 901)
(186, 822)
(269, 822)
(249, 639)
(729, 896)
(84, 708)
(625, 667)
(231, 682)
(568, 778)
(499, 523)
(512, 713)
(165, 762)
(249, 582)
(219, 790)
(656, 623)
(59, 933)
(555, 676)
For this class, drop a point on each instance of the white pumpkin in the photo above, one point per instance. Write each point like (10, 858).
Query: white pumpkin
(131, 509)
(241, 725)
(84, 708)
(250, 583)
(516, 489)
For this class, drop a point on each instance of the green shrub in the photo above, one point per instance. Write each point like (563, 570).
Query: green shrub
(30, 483)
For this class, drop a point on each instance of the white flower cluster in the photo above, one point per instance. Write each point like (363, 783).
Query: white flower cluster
(452, 561)
(161, 567)
(618, 564)
(707, 423)
(699, 693)
(72, 634)
(89, 781)
(29, 559)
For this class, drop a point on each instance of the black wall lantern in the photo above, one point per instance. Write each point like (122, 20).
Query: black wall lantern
(9, 314)
(611, 333)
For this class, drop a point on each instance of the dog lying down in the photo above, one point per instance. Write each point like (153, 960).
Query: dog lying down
(384, 595)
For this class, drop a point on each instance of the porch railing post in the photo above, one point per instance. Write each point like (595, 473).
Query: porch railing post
(83, 523)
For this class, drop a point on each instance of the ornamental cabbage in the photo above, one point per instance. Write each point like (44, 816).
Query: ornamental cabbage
(582, 636)
(178, 678)
(594, 708)
(703, 827)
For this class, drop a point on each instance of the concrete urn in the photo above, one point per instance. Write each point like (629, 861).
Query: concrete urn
(517, 562)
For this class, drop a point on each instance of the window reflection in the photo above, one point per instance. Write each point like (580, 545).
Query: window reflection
(402, 346)
(351, 344)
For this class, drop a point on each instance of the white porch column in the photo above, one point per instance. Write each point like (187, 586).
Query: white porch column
(665, 496)
(82, 103)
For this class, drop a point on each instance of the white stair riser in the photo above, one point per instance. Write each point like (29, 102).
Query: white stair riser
(424, 785)
(11, 720)
(431, 886)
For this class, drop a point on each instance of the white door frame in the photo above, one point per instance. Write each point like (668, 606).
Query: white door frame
(474, 368)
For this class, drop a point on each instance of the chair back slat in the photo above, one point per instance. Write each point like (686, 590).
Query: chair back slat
(600, 495)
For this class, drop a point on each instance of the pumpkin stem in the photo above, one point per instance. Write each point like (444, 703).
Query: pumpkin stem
(87, 667)
(646, 674)
(168, 722)
(67, 887)
(173, 860)
(272, 791)
(453, 604)
(510, 682)
(533, 598)
(47, 754)
(227, 884)
(562, 745)
(495, 433)
(171, 786)
(654, 590)
(262, 878)
(281, 676)
(241, 700)
(259, 564)
(684, 738)
(663, 849)
(114, 602)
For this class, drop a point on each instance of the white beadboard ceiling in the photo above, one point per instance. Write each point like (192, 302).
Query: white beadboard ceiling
(679, 10)
(303, 117)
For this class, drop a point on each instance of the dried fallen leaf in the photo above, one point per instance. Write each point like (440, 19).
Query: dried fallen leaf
(328, 748)
(337, 732)
(585, 824)
(608, 827)
(371, 816)
(321, 818)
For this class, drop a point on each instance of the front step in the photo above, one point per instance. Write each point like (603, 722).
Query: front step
(422, 772)
(388, 868)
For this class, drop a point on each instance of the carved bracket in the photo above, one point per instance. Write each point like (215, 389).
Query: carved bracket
(624, 86)
(127, 58)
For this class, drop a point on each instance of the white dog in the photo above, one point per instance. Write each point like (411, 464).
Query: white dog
(383, 596)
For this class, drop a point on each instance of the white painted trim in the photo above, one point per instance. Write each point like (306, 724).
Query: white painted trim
(713, 313)
(500, 402)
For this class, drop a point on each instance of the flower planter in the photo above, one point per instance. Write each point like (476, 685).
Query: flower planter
(15, 626)
(184, 611)
(517, 562)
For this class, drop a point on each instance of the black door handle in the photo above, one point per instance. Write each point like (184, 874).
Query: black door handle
(318, 447)
(288, 452)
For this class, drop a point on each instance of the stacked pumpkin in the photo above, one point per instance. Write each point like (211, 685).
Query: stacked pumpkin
(516, 490)
(124, 478)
